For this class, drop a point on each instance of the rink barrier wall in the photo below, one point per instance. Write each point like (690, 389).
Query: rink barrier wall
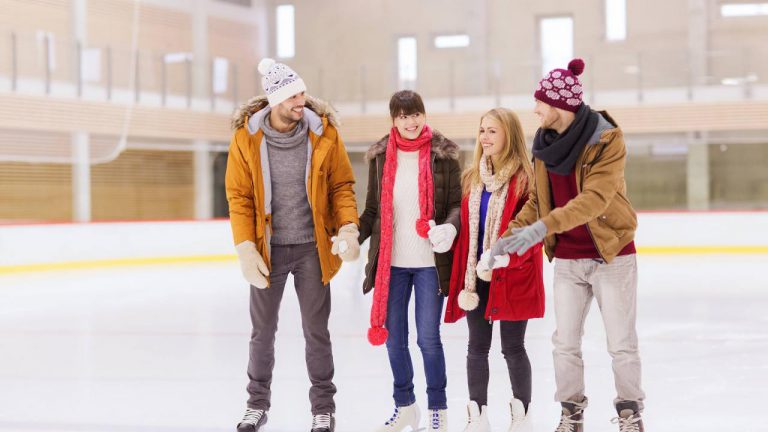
(76, 246)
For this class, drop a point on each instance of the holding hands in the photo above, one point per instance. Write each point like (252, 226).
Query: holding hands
(521, 239)
(345, 244)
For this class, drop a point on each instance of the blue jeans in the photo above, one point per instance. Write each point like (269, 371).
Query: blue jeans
(429, 308)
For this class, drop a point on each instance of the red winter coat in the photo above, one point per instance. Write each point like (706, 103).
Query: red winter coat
(517, 291)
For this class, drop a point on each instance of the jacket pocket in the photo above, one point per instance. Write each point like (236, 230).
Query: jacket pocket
(618, 217)
(512, 284)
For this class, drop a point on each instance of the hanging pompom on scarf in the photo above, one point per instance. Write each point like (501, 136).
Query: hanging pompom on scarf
(377, 334)
(422, 227)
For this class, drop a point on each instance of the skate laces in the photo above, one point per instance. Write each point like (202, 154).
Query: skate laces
(394, 417)
(470, 419)
(629, 424)
(253, 416)
(320, 421)
(437, 419)
(567, 424)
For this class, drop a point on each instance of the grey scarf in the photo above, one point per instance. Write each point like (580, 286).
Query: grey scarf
(560, 151)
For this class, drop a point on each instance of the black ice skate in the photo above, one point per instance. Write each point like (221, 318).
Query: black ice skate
(252, 421)
(323, 422)
(572, 418)
(629, 419)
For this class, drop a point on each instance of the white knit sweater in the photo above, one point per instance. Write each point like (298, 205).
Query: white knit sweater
(408, 249)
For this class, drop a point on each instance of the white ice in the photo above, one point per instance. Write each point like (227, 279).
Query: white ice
(164, 348)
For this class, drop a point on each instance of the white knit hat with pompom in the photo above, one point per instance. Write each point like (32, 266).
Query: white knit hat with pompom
(279, 81)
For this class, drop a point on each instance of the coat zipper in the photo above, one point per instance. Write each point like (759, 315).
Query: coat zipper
(368, 273)
(434, 207)
(581, 183)
(378, 183)
(376, 254)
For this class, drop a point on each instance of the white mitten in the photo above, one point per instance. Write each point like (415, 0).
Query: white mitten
(345, 245)
(441, 236)
(252, 264)
(497, 261)
(500, 261)
(483, 269)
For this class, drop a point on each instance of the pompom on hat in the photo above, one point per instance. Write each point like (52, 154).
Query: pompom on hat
(279, 81)
(561, 88)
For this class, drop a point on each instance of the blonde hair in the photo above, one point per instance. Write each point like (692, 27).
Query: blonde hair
(514, 153)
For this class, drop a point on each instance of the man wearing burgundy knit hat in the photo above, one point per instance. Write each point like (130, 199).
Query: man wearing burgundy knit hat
(579, 208)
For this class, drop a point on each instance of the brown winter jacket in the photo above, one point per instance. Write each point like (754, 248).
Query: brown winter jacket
(446, 175)
(601, 202)
(329, 183)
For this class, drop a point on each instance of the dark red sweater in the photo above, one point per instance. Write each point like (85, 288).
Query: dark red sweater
(576, 243)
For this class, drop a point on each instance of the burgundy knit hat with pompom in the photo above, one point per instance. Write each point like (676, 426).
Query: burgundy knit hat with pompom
(561, 88)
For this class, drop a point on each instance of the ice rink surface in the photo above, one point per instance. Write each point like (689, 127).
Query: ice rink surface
(164, 348)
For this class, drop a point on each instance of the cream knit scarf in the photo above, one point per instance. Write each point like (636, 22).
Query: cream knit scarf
(498, 185)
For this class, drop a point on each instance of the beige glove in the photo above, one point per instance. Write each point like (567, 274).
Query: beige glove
(345, 244)
(252, 264)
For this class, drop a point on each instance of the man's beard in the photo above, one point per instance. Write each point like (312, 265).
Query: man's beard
(287, 119)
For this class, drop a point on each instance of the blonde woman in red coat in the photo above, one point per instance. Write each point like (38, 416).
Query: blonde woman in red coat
(495, 188)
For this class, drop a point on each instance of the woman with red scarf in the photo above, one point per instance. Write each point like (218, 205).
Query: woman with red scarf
(495, 187)
(412, 217)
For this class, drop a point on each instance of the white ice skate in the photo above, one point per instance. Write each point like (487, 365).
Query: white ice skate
(402, 418)
(519, 422)
(477, 418)
(438, 420)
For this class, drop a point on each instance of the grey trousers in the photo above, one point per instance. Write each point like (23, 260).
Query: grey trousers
(614, 286)
(315, 306)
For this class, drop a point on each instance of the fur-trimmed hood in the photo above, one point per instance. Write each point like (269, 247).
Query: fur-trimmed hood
(441, 146)
(258, 103)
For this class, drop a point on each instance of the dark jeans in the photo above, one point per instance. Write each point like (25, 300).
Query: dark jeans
(429, 308)
(315, 306)
(512, 346)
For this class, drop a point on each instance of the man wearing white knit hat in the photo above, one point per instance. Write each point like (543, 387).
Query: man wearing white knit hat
(292, 210)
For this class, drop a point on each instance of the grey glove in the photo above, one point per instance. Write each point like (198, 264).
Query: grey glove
(500, 246)
(520, 241)
(524, 238)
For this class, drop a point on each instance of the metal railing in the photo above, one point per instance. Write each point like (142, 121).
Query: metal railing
(43, 63)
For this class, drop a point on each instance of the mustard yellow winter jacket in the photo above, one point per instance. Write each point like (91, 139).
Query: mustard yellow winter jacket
(329, 183)
(601, 202)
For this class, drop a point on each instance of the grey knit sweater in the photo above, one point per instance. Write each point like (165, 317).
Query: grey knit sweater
(288, 153)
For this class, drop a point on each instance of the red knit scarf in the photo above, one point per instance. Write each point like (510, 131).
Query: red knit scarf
(377, 334)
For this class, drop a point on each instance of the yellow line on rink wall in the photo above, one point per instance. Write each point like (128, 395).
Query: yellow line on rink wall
(122, 262)
(137, 262)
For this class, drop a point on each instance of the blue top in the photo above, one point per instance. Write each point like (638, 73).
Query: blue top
(483, 212)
